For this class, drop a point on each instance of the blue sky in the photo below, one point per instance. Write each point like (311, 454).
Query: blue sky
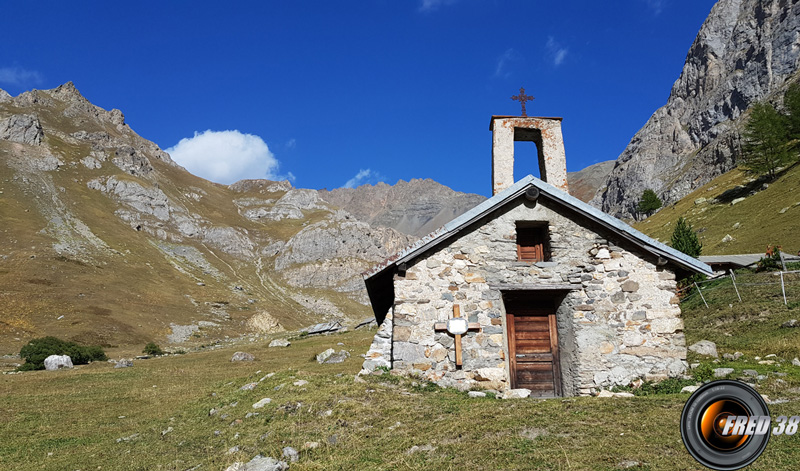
(348, 92)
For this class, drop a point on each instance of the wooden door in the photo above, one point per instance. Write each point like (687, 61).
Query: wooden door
(533, 346)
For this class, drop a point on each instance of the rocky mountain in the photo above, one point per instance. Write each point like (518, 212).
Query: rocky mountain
(105, 240)
(745, 51)
(417, 207)
(583, 184)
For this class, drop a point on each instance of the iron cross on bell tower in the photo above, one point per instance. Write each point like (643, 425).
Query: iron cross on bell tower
(522, 98)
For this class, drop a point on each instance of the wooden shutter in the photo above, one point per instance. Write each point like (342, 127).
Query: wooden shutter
(532, 244)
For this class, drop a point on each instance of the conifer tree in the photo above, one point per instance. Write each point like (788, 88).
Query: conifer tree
(649, 202)
(766, 141)
(791, 101)
(685, 239)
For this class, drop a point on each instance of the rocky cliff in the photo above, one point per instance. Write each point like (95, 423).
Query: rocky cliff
(746, 51)
(583, 184)
(417, 207)
(104, 239)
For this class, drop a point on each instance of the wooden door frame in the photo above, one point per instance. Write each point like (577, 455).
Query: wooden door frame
(511, 339)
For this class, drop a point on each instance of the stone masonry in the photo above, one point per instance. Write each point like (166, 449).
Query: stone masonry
(620, 319)
(544, 132)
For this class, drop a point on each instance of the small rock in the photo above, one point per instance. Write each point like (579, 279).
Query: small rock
(56, 362)
(737, 225)
(279, 343)
(476, 394)
(330, 356)
(783, 210)
(766, 362)
(605, 393)
(233, 449)
(262, 403)
(417, 449)
(737, 200)
(630, 286)
(690, 389)
(752, 373)
(771, 355)
(260, 463)
(291, 454)
(728, 356)
(623, 394)
(248, 387)
(796, 361)
(168, 430)
(629, 464)
(242, 356)
(520, 393)
(300, 382)
(128, 438)
(737, 355)
(722, 372)
(727, 238)
(310, 445)
(705, 347)
(790, 324)
(124, 363)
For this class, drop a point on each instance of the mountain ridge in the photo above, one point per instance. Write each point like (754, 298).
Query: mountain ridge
(746, 51)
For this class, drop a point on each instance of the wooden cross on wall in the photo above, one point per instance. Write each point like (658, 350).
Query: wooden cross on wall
(457, 326)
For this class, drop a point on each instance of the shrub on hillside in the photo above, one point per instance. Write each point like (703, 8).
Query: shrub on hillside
(771, 260)
(152, 349)
(35, 352)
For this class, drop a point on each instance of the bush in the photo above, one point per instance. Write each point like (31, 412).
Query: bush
(703, 373)
(650, 388)
(35, 352)
(152, 349)
(771, 260)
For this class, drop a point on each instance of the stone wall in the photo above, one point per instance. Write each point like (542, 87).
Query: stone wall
(619, 321)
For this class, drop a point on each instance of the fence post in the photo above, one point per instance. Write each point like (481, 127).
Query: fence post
(733, 279)
(783, 289)
(704, 298)
(783, 262)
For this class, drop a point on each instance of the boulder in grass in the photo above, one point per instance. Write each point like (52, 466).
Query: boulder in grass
(243, 356)
(520, 393)
(279, 343)
(705, 347)
(331, 356)
(124, 363)
(57, 362)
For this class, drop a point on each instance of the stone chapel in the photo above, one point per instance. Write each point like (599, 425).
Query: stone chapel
(531, 289)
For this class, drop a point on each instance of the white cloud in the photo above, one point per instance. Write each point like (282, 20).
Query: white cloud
(227, 156)
(657, 6)
(501, 70)
(433, 5)
(556, 51)
(19, 77)
(364, 176)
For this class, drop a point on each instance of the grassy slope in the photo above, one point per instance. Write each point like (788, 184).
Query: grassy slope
(71, 419)
(759, 217)
(132, 293)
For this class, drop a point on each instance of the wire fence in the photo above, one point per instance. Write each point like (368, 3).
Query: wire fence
(745, 286)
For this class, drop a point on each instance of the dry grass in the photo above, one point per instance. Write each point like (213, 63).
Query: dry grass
(759, 216)
(71, 419)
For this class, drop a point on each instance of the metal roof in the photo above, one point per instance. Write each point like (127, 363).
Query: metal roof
(548, 191)
(742, 260)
